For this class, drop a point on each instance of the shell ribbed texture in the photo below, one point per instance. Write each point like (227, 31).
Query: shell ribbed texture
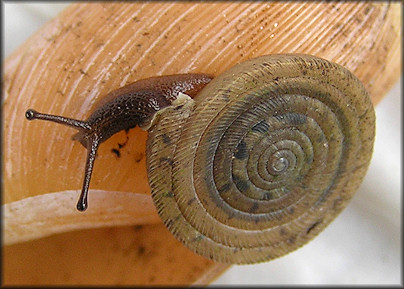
(273, 151)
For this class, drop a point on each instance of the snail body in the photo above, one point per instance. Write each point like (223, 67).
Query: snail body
(262, 158)
(124, 108)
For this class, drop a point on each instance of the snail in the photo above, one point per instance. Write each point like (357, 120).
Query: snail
(247, 166)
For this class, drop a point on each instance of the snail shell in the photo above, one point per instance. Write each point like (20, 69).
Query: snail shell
(262, 159)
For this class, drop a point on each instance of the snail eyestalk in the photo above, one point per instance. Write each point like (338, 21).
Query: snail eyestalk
(92, 147)
(31, 114)
(92, 141)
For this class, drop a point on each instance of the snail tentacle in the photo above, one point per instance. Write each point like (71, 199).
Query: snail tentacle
(92, 148)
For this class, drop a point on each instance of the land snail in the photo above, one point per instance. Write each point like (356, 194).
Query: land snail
(247, 166)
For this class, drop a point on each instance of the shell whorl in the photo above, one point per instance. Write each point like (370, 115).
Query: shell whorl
(267, 156)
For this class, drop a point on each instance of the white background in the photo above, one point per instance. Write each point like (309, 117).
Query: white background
(363, 245)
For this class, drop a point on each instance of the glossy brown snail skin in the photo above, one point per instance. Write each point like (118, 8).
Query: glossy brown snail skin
(124, 108)
(262, 159)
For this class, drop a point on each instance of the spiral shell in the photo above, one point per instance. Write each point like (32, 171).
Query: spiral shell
(267, 156)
